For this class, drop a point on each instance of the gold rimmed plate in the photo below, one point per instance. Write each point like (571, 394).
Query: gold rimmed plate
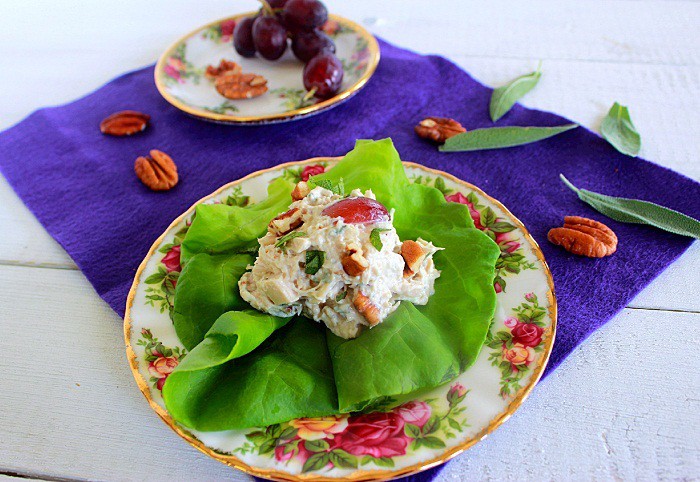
(395, 440)
(180, 79)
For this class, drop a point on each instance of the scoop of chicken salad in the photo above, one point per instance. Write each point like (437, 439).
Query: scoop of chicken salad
(338, 259)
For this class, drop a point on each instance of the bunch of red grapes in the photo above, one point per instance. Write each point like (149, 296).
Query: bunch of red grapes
(267, 32)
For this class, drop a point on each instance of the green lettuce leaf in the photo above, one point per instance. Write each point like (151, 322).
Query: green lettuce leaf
(219, 228)
(301, 369)
(252, 368)
(206, 288)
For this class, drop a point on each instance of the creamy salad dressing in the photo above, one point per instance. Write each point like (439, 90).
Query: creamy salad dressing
(280, 283)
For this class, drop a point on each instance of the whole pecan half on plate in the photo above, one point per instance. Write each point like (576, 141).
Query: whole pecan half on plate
(438, 129)
(240, 86)
(584, 237)
(124, 123)
(157, 171)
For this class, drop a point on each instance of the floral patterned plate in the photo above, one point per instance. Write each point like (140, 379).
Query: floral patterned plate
(179, 74)
(395, 437)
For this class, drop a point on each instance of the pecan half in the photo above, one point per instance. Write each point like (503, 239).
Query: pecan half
(240, 86)
(353, 261)
(366, 308)
(286, 222)
(300, 191)
(157, 171)
(438, 129)
(584, 237)
(224, 66)
(124, 123)
(413, 255)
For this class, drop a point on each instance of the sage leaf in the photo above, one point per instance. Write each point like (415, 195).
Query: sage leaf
(499, 137)
(618, 130)
(282, 241)
(640, 212)
(375, 238)
(335, 188)
(314, 261)
(505, 97)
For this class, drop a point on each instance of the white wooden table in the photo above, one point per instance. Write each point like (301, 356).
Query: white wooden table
(625, 405)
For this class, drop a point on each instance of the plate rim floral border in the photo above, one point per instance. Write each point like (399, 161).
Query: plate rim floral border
(359, 475)
(372, 45)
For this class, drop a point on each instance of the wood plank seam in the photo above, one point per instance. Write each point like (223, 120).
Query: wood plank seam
(35, 476)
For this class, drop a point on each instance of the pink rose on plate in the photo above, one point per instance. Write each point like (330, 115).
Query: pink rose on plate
(519, 354)
(531, 297)
(283, 457)
(171, 72)
(161, 367)
(509, 244)
(172, 259)
(456, 394)
(458, 389)
(227, 27)
(416, 413)
(460, 198)
(497, 287)
(313, 170)
(376, 434)
(527, 334)
(173, 68)
(457, 197)
(510, 322)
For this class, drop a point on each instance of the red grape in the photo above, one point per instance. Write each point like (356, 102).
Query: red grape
(243, 37)
(306, 45)
(324, 72)
(304, 14)
(270, 37)
(357, 210)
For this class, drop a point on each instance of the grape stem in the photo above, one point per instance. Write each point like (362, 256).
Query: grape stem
(267, 8)
(309, 94)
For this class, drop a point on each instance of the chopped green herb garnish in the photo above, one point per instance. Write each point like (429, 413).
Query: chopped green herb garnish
(314, 261)
(375, 239)
(338, 188)
(341, 296)
(282, 241)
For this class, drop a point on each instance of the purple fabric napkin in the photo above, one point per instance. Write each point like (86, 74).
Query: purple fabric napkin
(82, 188)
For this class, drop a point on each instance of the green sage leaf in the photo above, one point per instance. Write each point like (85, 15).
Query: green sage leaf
(334, 187)
(499, 137)
(637, 211)
(505, 97)
(618, 130)
(314, 261)
(375, 238)
(282, 241)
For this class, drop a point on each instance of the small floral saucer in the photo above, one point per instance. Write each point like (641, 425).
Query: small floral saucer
(179, 74)
(397, 437)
